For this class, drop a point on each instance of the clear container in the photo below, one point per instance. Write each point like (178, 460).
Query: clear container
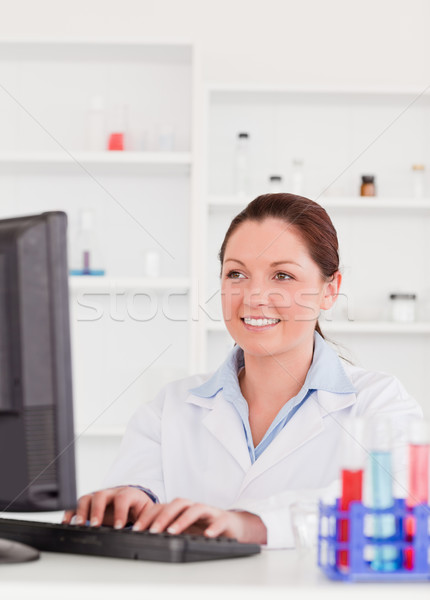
(418, 180)
(165, 138)
(85, 254)
(242, 165)
(297, 177)
(117, 138)
(304, 521)
(151, 263)
(275, 184)
(403, 307)
(96, 126)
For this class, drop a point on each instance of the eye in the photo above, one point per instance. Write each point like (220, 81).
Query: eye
(283, 276)
(234, 275)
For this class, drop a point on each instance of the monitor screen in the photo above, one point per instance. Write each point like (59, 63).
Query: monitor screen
(37, 462)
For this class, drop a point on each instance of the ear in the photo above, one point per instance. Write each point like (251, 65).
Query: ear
(331, 291)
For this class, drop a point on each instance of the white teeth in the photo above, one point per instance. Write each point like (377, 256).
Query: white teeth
(260, 322)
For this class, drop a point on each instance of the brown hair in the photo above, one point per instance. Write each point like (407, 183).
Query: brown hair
(309, 219)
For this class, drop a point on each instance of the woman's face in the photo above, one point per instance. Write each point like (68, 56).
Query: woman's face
(272, 291)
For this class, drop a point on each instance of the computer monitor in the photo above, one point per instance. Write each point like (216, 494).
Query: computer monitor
(37, 459)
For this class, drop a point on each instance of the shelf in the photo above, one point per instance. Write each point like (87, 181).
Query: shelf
(374, 91)
(375, 327)
(216, 326)
(365, 203)
(158, 51)
(99, 432)
(147, 161)
(353, 203)
(355, 327)
(312, 95)
(88, 284)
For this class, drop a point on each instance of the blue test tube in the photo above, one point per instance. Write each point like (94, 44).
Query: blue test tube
(386, 557)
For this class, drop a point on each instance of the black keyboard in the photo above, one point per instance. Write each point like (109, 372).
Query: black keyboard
(122, 543)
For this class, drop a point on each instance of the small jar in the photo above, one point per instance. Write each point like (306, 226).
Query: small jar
(367, 185)
(242, 167)
(275, 184)
(403, 307)
(418, 176)
(151, 263)
(297, 177)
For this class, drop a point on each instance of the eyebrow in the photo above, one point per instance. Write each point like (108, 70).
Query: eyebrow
(273, 264)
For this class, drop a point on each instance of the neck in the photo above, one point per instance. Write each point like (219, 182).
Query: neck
(274, 379)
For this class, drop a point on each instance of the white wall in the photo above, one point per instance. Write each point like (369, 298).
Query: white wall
(297, 41)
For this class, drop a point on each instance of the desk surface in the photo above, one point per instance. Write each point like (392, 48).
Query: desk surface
(273, 574)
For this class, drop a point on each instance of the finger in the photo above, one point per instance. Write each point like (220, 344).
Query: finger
(169, 514)
(161, 515)
(219, 526)
(126, 500)
(98, 506)
(193, 513)
(68, 515)
(147, 516)
(83, 509)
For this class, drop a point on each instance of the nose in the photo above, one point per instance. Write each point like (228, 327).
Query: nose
(266, 295)
(256, 296)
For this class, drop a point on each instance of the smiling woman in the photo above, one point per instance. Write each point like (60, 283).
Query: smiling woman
(300, 218)
(230, 452)
(275, 280)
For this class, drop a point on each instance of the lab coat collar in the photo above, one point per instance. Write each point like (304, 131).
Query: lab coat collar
(225, 424)
(332, 390)
(325, 373)
(225, 375)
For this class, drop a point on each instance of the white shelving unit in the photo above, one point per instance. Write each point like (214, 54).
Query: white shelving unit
(353, 203)
(148, 163)
(134, 284)
(108, 158)
(102, 432)
(130, 333)
(340, 134)
(359, 327)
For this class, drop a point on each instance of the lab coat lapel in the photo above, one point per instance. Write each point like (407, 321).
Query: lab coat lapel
(226, 426)
(305, 425)
(292, 436)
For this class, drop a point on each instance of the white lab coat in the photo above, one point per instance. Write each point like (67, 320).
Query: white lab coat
(182, 445)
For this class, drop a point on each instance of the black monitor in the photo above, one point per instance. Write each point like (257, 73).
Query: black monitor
(37, 462)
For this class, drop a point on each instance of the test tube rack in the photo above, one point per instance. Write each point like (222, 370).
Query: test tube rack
(361, 546)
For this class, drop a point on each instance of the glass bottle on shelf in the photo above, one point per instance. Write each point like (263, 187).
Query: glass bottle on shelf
(165, 138)
(151, 263)
(418, 176)
(117, 137)
(85, 255)
(297, 178)
(403, 307)
(275, 184)
(242, 165)
(96, 126)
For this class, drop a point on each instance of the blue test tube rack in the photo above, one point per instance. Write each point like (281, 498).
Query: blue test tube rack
(360, 544)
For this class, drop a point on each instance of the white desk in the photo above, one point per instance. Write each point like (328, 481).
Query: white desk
(269, 576)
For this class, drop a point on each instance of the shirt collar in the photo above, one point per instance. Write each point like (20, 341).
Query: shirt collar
(325, 373)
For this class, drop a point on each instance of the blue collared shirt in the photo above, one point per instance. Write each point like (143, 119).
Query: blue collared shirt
(325, 373)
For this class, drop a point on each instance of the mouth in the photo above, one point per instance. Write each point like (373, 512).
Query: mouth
(259, 323)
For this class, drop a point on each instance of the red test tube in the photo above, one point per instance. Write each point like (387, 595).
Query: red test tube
(351, 481)
(418, 487)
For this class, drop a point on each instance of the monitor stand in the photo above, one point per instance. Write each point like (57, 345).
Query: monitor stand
(15, 552)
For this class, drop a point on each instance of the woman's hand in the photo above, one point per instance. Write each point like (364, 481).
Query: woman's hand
(182, 515)
(114, 506)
